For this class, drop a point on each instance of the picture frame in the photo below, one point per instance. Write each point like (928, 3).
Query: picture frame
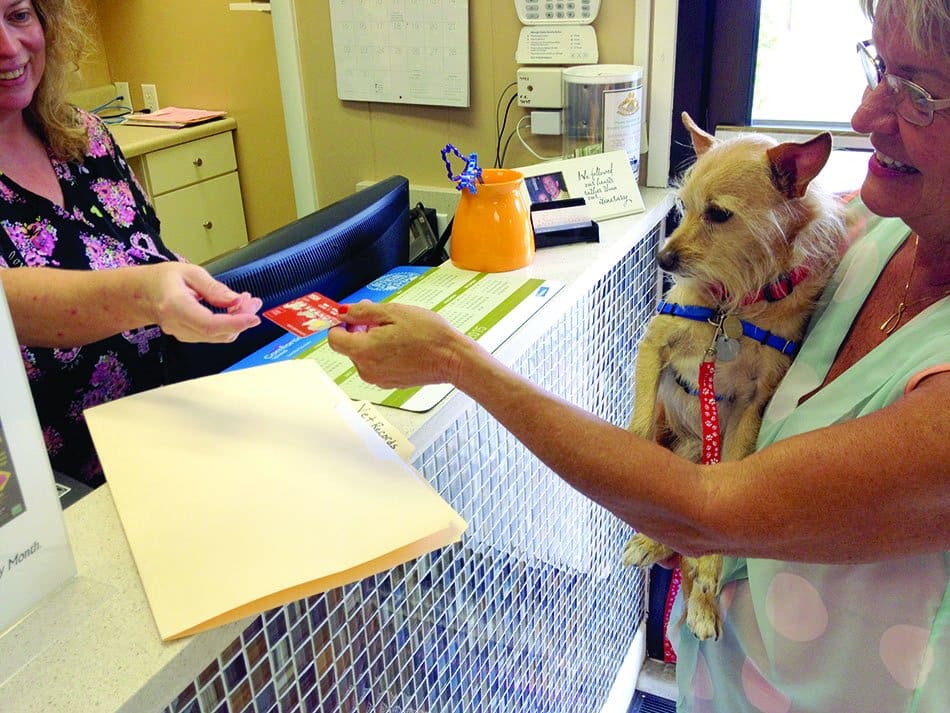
(547, 187)
(605, 181)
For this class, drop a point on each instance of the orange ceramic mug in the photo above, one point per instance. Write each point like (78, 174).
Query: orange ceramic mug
(491, 231)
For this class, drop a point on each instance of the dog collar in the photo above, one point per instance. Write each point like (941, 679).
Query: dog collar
(707, 314)
(772, 292)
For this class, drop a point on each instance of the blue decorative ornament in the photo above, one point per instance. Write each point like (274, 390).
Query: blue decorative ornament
(470, 176)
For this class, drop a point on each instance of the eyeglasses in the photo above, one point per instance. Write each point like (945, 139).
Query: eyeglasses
(912, 102)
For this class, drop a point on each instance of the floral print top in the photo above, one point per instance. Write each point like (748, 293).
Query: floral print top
(107, 222)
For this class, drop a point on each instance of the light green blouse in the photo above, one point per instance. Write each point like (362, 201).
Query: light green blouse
(834, 638)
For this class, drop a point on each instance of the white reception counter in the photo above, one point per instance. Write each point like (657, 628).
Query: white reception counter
(531, 611)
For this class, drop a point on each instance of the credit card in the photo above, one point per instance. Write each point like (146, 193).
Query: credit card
(306, 315)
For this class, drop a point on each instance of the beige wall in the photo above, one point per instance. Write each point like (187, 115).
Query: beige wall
(94, 70)
(199, 53)
(354, 141)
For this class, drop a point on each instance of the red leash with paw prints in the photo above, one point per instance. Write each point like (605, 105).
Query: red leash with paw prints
(709, 413)
(725, 346)
(712, 446)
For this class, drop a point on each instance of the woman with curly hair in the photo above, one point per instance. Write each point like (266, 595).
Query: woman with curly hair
(90, 285)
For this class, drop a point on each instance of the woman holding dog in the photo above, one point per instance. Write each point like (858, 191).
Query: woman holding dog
(90, 285)
(841, 519)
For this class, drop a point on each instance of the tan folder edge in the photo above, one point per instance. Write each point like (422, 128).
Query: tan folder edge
(246, 490)
(404, 554)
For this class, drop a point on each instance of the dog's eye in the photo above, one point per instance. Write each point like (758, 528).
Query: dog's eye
(717, 214)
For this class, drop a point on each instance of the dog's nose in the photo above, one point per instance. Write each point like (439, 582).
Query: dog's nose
(668, 260)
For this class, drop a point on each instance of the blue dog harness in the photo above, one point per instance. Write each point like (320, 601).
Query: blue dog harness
(707, 314)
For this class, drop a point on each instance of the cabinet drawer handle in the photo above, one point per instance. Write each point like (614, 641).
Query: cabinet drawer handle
(207, 225)
(198, 162)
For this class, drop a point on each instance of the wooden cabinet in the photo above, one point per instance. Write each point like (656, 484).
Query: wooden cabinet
(193, 184)
(201, 221)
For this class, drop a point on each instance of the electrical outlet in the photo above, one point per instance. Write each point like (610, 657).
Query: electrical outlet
(150, 97)
(123, 93)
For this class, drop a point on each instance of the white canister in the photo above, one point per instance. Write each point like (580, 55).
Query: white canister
(603, 110)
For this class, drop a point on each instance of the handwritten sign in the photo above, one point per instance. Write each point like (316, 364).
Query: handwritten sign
(385, 430)
(605, 181)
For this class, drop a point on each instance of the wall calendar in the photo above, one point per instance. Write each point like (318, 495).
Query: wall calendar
(401, 51)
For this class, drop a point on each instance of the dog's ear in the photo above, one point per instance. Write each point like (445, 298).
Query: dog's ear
(702, 141)
(795, 165)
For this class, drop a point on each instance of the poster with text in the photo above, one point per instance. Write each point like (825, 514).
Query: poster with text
(11, 497)
(35, 556)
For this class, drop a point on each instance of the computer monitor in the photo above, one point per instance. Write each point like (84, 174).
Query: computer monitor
(334, 251)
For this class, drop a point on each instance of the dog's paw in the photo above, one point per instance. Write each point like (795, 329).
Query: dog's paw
(641, 551)
(704, 623)
(702, 613)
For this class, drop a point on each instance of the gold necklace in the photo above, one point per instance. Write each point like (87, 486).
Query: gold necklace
(894, 319)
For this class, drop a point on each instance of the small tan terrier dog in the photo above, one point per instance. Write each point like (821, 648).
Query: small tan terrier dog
(755, 247)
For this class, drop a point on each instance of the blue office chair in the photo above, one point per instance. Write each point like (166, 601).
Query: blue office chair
(334, 251)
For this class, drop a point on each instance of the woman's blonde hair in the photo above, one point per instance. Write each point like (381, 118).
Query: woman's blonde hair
(64, 26)
(927, 21)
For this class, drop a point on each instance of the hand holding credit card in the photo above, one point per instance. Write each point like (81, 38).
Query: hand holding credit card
(306, 315)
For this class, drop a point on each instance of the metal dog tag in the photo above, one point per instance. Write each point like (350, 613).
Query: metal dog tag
(732, 326)
(726, 349)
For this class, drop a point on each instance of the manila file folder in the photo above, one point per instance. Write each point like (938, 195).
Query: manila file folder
(246, 490)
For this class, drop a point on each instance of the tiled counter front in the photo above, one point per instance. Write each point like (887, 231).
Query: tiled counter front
(531, 612)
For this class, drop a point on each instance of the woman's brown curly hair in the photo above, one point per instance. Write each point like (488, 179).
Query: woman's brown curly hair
(64, 25)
